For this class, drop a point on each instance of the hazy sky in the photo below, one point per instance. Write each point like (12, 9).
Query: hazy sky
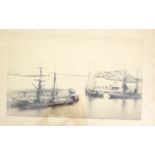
(72, 51)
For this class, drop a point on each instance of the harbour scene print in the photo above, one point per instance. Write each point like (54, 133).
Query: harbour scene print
(94, 74)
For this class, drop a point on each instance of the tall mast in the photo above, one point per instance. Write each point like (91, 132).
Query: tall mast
(39, 88)
(54, 85)
(124, 82)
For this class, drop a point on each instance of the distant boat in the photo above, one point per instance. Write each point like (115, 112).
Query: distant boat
(94, 92)
(125, 94)
(121, 95)
(91, 88)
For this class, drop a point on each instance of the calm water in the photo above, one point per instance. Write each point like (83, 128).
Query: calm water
(86, 107)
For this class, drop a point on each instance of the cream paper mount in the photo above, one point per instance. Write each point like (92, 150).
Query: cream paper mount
(77, 77)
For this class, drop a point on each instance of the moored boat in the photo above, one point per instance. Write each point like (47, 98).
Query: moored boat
(125, 93)
(30, 99)
(91, 89)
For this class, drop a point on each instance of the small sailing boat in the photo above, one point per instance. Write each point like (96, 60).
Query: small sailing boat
(91, 89)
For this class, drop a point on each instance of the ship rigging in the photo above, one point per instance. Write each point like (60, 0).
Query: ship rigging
(55, 96)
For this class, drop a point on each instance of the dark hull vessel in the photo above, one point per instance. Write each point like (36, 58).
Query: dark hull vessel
(125, 96)
(42, 98)
(29, 103)
(126, 93)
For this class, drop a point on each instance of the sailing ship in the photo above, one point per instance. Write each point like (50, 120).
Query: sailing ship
(125, 93)
(43, 97)
(91, 89)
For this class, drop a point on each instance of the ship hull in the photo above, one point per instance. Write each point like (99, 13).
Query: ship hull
(125, 96)
(94, 93)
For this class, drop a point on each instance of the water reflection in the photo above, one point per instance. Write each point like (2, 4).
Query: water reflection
(89, 107)
(123, 104)
(115, 109)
